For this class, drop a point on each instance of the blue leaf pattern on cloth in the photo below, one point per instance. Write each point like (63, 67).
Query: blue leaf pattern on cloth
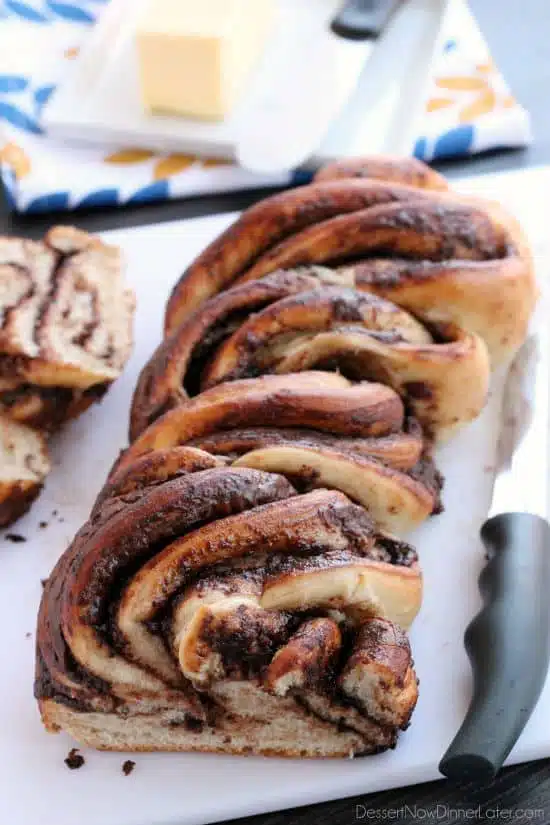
(153, 192)
(25, 11)
(43, 94)
(18, 118)
(12, 83)
(24, 94)
(101, 197)
(49, 203)
(71, 13)
(455, 142)
(10, 182)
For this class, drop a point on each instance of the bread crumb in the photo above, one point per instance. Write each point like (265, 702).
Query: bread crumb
(74, 759)
(43, 582)
(128, 767)
(28, 635)
(43, 524)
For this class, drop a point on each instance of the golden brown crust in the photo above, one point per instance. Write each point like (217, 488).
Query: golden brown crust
(269, 222)
(357, 439)
(16, 497)
(238, 586)
(386, 168)
(404, 227)
(207, 551)
(307, 659)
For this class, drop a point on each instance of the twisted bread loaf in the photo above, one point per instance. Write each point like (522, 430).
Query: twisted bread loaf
(212, 607)
(239, 586)
(65, 335)
(443, 257)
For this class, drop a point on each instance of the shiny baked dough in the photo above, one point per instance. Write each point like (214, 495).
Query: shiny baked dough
(240, 585)
(238, 565)
(442, 256)
(293, 321)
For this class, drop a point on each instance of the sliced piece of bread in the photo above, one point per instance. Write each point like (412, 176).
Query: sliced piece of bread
(24, 464)
(65, 324)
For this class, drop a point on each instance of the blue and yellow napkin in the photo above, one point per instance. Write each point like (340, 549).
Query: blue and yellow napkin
(470, 109)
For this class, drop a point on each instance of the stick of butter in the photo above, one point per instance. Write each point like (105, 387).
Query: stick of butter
(195, 55)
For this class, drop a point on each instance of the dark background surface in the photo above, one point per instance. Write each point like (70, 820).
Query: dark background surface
(519, 35)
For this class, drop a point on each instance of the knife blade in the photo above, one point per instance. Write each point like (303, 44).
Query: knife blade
(508, 642)
(292, 118)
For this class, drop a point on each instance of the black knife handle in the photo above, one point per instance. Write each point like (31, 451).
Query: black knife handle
(363, 19)
(508, 644)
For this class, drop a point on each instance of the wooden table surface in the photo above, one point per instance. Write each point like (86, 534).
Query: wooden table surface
(519, 34)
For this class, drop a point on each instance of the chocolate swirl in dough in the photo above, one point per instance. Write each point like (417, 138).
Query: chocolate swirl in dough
(208, 606)
(298, 320)
(239, 585)
(389, 227)
(65, 335)
(65, 325)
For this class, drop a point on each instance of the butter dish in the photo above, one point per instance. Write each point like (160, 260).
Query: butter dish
(99, 102)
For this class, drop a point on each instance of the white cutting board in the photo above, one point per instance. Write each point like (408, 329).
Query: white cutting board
(36, 788)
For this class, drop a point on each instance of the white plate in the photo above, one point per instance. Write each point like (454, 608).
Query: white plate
(99, 100)
(185, 789)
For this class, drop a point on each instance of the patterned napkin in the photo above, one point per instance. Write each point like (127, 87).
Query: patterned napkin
(470, 109)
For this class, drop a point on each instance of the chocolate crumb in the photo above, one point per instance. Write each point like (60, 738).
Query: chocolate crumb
(28, 635)
(54, 512)
(74, 759)
(43, 582)
(128, 767)
(43, 524)
(16, 538)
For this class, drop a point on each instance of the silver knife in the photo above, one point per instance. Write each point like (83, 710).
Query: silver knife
(508, 642)
(291, 119)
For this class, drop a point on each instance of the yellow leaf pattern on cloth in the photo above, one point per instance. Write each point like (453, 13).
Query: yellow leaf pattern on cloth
(14, 156)
(469, 108)
(461, 84)
(483, 103)
(472, 96)
(128, 156)
(210, 163)
(172, 165)
(487, 67)
(436, 103)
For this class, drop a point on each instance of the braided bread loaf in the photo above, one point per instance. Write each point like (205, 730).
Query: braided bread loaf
(393, 229)
(239, 585)
(65, 335)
